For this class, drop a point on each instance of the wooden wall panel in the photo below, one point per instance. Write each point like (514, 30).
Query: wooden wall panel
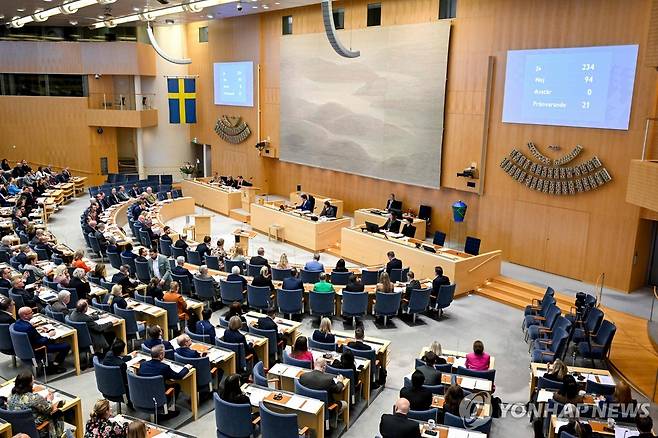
(118, 58)
(481, 29)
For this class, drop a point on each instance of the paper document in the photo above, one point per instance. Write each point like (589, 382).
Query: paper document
(295, 402)
(105, 319)
(622, 432)
(457, 433)
(468, 382)
(483, 385)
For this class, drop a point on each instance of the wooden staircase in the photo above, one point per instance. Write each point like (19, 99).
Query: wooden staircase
(518, 293)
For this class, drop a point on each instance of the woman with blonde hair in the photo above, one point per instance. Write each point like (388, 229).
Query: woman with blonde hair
(438, 351)
(556, 371)
(100, 424)
(385, 284)
(283, 262)
(324, 333)
(116, 297)
(78, 261)
(61, 275)
(238, 254)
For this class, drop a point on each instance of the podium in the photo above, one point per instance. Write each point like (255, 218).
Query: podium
(242, 239)
(201, 226)
(248, 197)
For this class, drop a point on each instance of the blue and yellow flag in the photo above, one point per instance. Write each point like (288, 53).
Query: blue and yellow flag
(182, 100)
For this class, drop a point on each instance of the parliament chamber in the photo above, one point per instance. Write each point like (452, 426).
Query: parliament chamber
(350, 218)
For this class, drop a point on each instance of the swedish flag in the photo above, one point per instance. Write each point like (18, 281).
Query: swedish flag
(182, 100)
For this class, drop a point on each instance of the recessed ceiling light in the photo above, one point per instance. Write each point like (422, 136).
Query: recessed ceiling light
(277, 3)
(20, 9)
(72, 22)
(265, 7)
(101, 16)
(254, 7)
(136, 9)
(210, 16)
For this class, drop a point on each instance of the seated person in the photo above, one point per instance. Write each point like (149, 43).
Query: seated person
(62, 303)
(235, 276)
(44, 409)
(181, 243)
(233, 335)
(116, 358)
(180, 269)
(204, 247)
(644, 425)
(205, 327)
(59, 349)
(6, 310)
(122, 278)
(432, 375)
(308, 203)
(142, 254)
(358, 342)
(320, 380)
(412, 284)
(478, 360)
(283, 262)
(154, 333)
(420, 398)
(98, 273)
(323, 286)
(78, 260)
(116, 297)
(324, 333)
(354, 284)
(184, 343)
(451, 402)
(392, 224)
(259, 260)
(408, 229)
(556, 371)
(574, 427)
(328, 210)
(31, 266)
(80, 284)
(173, 296)
(235, 309)
(154, 290)
(397, 424)
(293, 282)
(385, 285)
(204, 276)
(439, 280)
(300, 350)
(128, 253)
(263, 279)
(390, 202)
(267, 323)
(157, 367)
(340, 266)
(101, 334)
(29, 295)
(346, 362)
(232, 391)
(100, 422)
(438, 352)
(569, 393)
(314, 265)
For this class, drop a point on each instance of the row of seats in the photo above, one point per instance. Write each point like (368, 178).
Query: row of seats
(123, 178)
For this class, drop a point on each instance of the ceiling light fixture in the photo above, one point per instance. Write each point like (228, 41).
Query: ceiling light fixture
(73, 22)
(69, 7)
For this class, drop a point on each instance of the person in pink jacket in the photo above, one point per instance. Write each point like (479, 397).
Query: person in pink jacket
(478, 360)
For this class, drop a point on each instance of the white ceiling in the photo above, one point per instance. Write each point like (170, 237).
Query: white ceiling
(91, 14)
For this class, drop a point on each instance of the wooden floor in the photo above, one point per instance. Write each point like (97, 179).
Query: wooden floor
(632, 355)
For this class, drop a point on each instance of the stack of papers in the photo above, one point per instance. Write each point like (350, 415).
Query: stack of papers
(105, 319)
(256, 395)
(602, 379)
(468, 383)
(457, 433)
(483, 385)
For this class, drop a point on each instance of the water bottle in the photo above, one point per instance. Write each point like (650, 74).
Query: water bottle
(431, 424)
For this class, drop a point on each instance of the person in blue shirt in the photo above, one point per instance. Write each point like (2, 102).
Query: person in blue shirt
(12, 188)
(128, 252)
(314, 265)
(155, 338)
(184, 343)
(59, 349)
(233, 335)
(205, 327)
(293, 282)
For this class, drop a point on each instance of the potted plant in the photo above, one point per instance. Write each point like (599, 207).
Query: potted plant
(187, 170)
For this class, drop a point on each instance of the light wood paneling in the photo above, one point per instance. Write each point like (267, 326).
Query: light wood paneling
(530, 220)
(642, 183)
(122, 119)
(481, 29)
(566, 234)
(117, 58)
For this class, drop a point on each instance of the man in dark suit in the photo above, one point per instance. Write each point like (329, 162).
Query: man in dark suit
(390, 201)
(393, 263)
(235, 276)
(156, 367)
(6, 310)
(113, 199)
(122, 195)
(204, 248)
(101, 334)
(267, 323)
(259, 260)
(644, 425)
(328, 210)
(102, 240)
(5, 281)
(181, 243)
(319, 380)
(357, 343)
(122, 278)
(293, 282)
(136, 209)
(184, 343)
(392, 223)
(420, 399)
(180, 269)
(432, 375)
(18, 288)
(155, 338)
(408, 229)
(135, 191)
(308, 203)
(59, 349)
(397, 425)
(439, 280)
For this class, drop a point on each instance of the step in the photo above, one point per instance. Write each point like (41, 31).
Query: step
(240, 214)
(501, 297)
(520, 284)
(518, 293)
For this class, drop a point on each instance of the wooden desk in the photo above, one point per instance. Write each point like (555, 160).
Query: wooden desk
(152, 430)
(467, 382)
(468, 272)
(287, 327)
(381, 346)
(194, 306)
(68, 189)
(214, 197)
(187, 383)
(599, 376)
(218, 356)
(483, 409)
(151, 314)
(63, 333)
(445, 432)
(260, 344)
(298, 229)
(242, 239)
(79, 182)
(202, 226)
(295, 198)
(164, 211)
(599, 427)
(456, 358)
(287, 374)
(72, 408)
(5, 429)
(366, 214)
(309, 411)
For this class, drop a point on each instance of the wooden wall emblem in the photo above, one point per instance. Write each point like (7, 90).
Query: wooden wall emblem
(554, 176)
(232, 129)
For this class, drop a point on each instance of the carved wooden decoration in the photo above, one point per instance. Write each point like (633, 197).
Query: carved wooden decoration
(232, 129)
(552, 176)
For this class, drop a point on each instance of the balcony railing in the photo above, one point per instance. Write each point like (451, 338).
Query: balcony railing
(121, 102)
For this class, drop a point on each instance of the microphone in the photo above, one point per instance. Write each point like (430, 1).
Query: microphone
(155, 406)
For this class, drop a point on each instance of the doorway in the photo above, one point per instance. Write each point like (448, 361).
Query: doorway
(202, 159)
(653, 264)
